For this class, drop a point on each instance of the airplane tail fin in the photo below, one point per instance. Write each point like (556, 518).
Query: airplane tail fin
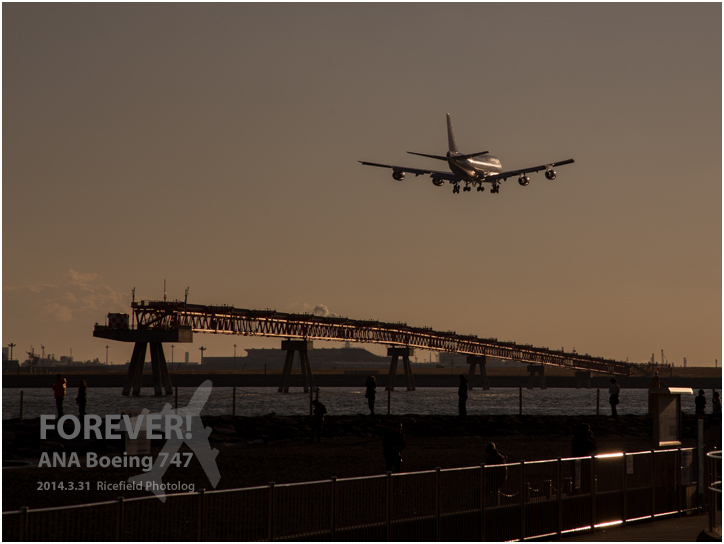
(452, 144)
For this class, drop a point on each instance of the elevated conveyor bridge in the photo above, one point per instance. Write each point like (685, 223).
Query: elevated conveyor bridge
(164, 321)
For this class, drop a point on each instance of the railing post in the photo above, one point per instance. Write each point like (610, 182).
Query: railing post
(233, 403)
(520, 401)
(24, 526)
(271, 512)
(482, 503)
(437, 504)
(653, 488)
(624, 491)
(200, 534)
(388, 506)
(334, 505)
(678, 479)
(388, 401)
(522, 498)
(559, 485)
(593, 493)
(119, 520)
(598, 402)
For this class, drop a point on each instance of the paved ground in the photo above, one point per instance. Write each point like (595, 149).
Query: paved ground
(684, 529)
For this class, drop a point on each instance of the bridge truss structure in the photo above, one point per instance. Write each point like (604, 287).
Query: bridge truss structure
(173, 316)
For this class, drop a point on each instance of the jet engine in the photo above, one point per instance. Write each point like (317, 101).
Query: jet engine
(550, 174)
(438, 182)
(399, 176)
(524, 180)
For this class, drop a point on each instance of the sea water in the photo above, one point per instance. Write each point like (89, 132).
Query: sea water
(259, 401)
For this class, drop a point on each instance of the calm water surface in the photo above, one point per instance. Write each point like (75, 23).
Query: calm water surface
(259, 401)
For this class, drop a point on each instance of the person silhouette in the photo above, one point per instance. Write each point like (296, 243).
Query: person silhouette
(370, 392)
(462, 396)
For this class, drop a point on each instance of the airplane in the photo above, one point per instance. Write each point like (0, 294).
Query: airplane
(198, 442)
(473, 169)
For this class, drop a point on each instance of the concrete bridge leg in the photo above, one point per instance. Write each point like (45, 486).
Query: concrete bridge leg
(292, 346)
(536, 374)
(134, 378)
(161, 377)
(583, 377)
(397, 352)
(482, 361)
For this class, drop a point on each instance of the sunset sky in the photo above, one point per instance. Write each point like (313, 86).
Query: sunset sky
(216, 146)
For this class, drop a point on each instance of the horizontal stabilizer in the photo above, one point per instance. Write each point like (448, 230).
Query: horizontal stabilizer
(438, 157)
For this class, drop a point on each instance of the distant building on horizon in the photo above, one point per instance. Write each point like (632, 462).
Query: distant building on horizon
(324, 358)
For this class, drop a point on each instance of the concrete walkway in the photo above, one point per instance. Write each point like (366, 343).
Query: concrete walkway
(683, 529)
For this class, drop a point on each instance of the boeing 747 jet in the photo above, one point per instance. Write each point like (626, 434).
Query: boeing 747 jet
(472, 170)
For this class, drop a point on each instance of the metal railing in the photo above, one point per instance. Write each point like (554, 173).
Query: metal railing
(713, 465)
(515, 501)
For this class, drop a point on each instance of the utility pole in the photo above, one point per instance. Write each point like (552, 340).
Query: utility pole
(106, 355)
(234, 356)
(202, 349)
(11, 346)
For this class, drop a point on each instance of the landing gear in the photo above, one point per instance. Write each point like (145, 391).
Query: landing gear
(467, 188)
(481, 188)
(456, 188)
(495, 188)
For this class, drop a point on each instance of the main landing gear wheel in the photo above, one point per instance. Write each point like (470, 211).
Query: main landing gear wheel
(456, 189)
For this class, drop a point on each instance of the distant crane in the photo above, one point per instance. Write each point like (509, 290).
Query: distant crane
(33, 358)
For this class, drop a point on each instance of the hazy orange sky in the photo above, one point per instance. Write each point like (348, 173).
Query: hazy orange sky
(215, 146)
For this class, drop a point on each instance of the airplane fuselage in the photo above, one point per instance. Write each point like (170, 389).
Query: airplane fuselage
(473, 169)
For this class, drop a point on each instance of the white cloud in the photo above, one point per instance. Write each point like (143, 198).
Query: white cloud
(76, 294)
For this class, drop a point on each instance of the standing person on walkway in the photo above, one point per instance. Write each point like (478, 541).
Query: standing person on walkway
(700, 403)
(613, 391)
(392, 445)
(463, 396)
(370, 392)
(583, 444)
(59, 393)
(318, 420)
(82, 399)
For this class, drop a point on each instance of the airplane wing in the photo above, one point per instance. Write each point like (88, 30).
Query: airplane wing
(505, 175)
(449, 176)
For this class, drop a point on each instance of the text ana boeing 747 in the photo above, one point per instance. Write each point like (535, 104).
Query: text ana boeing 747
(473, 169)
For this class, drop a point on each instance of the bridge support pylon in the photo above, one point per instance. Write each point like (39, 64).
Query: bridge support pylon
(161, 377)
(583, 378)
(292, 346)
(482, 361)
(396, 352)
(536, 375)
